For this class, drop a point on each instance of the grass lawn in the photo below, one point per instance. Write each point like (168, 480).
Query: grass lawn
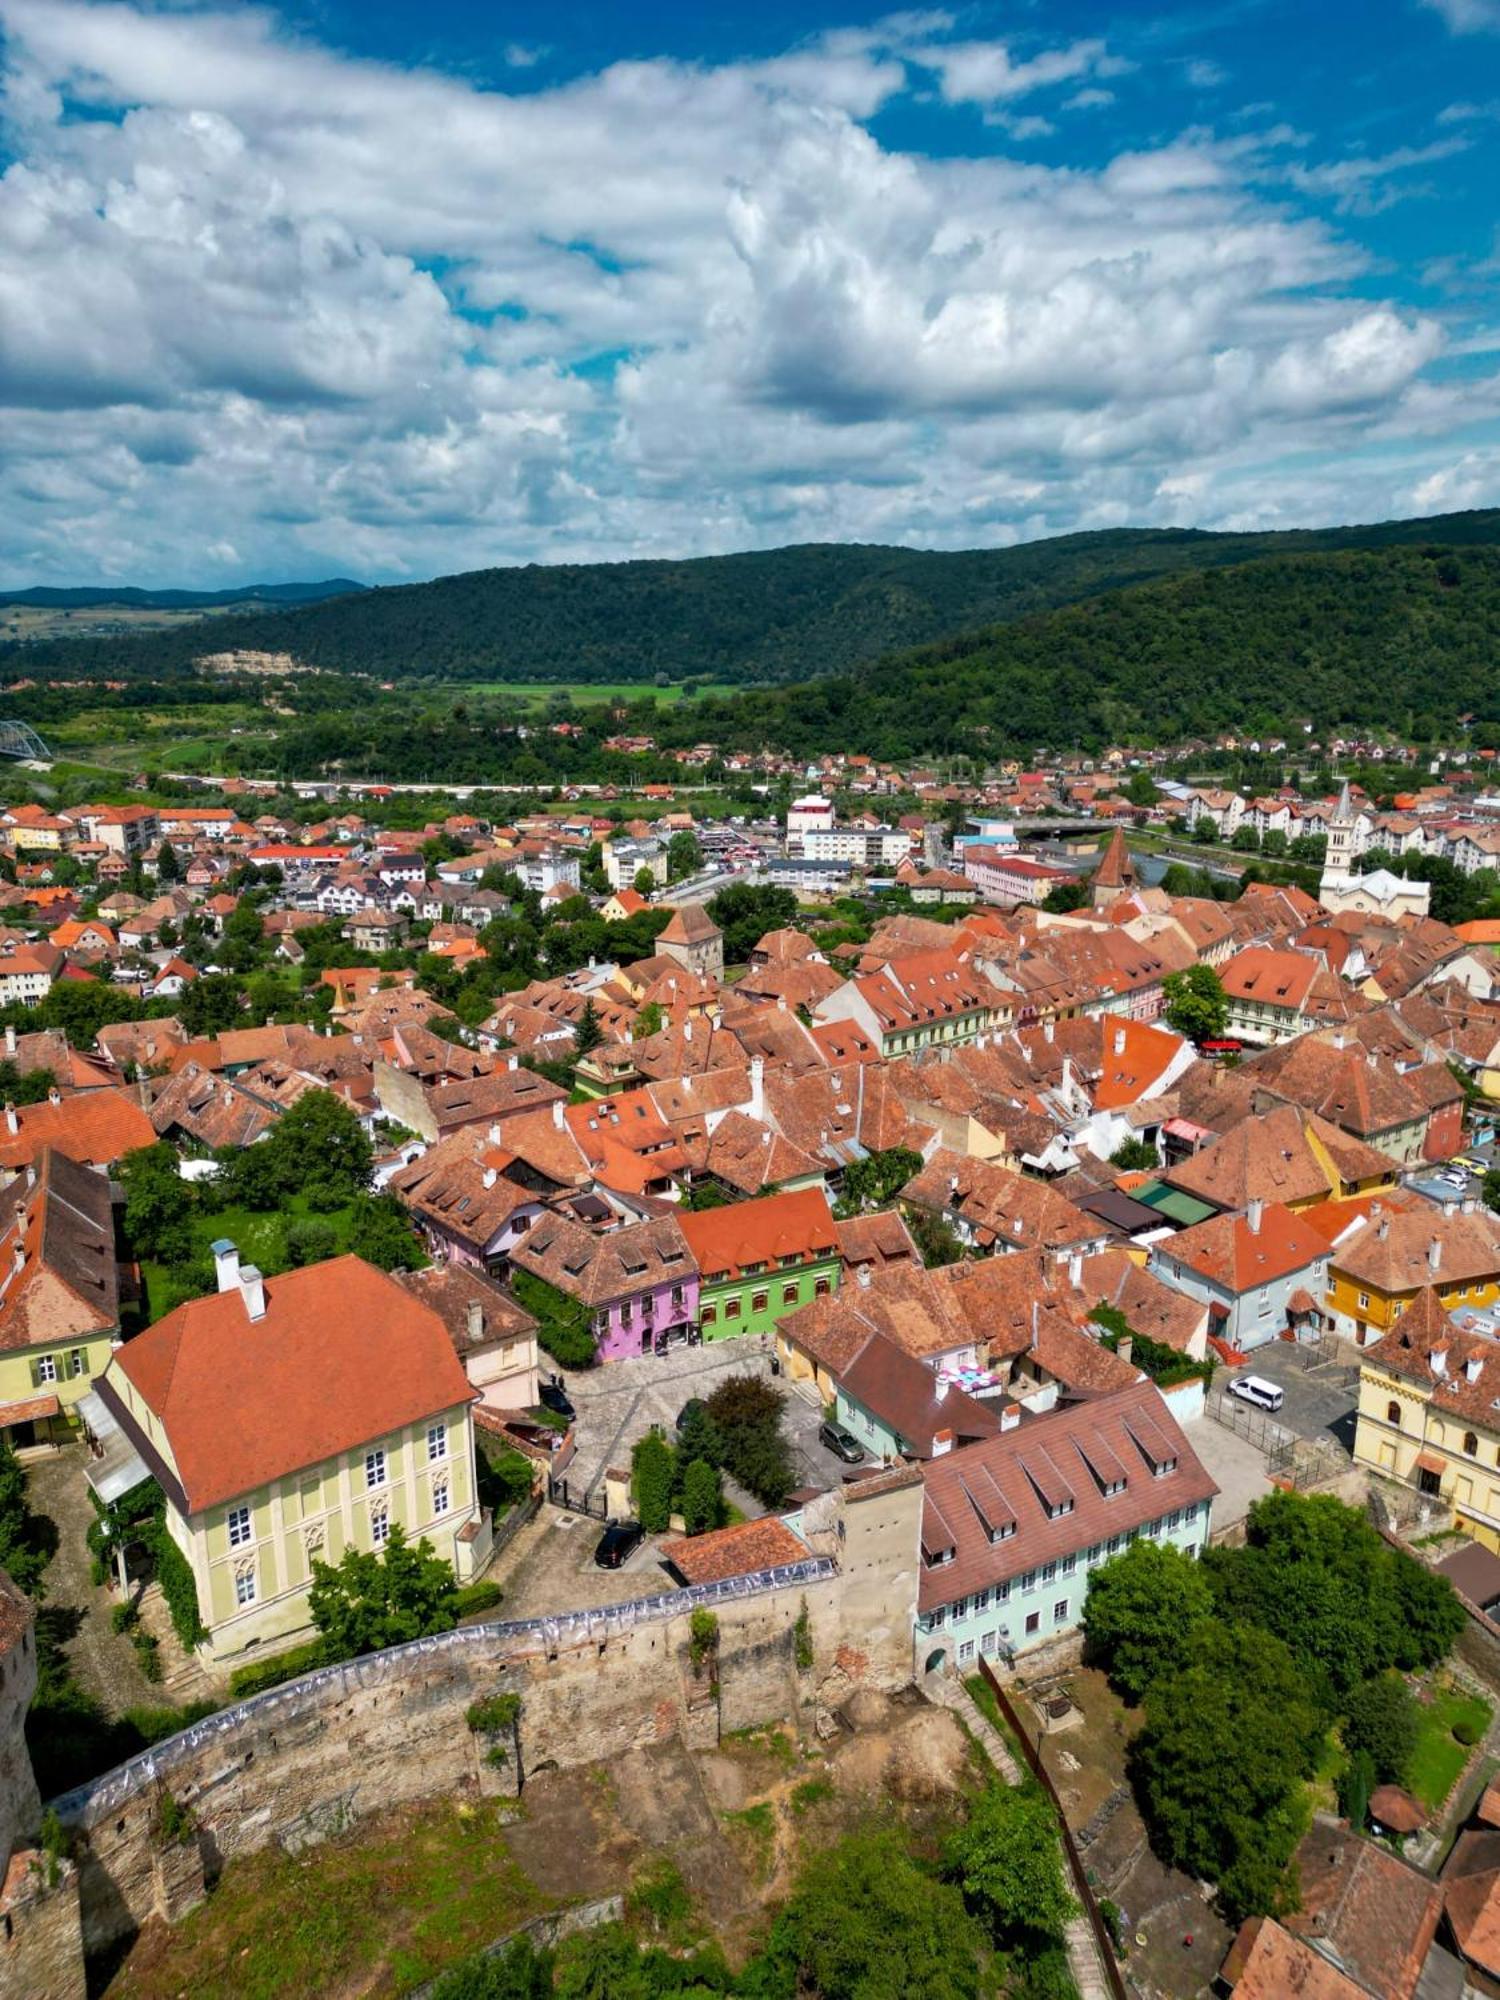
(382, 1910)
(1439, 1756)
(260, 1239)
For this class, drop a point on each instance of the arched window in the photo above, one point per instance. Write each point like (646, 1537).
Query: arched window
(1393, 1414)
(1471, 1445)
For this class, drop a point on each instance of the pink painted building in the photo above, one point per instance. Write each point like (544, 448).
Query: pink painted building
(640, 1283)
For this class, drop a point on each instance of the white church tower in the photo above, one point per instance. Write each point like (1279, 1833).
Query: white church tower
(1378, 894)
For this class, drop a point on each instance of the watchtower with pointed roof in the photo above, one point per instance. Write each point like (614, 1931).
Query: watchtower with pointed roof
(1116, 874)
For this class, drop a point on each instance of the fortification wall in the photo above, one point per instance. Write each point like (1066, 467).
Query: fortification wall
(304, 1761)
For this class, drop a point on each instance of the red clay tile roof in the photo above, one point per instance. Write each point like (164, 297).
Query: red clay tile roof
(343, 1357)
(1227, 1250)
(738, 1551)
(67, 1284)
(725, 1240)
(95, 1126)
(1069, 1454)
(1266, 1962)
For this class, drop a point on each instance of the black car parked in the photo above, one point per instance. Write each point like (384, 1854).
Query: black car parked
(553, 1396)
(618, 1544)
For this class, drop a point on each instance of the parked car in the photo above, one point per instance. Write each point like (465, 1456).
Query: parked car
(618, 1544)
(843, 1444)
(553, 1396)
(1257, 1390)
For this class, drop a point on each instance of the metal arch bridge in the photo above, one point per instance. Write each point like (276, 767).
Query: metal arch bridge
(19, 739)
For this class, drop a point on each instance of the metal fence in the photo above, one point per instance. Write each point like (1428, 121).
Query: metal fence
(1076, 1868)
(576, 1501)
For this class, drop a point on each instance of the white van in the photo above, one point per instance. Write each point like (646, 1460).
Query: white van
(1257, 1390)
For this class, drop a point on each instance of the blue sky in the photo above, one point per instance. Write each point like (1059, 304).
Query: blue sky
(395, 291)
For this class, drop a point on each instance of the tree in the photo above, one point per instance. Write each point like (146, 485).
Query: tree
(210, 1005)
(1381, 1721)
(1064, 897)
(1140, 790)
(1135, 1156)
(168, 868)
(320, 1138)
(158, 1202)
(653, 1469)
(588, 1034)
(644, 882)
(702, 1497)
(878, 1178)
(369, 1600)
(1140, 1610)
(684, 855)
(1317, 1574)
(745, 911)
(649, 1021)
(1196, 1005)
(866, 1923)
(1007, 1859)
(1230, 1736)
(746, 1411)
(380, 1231)
(23, 1548)
(519, 1972)
(935, 1237)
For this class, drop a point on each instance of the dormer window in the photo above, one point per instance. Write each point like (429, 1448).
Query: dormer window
(1061, 1507)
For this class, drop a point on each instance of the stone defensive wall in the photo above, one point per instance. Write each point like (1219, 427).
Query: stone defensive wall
(305, 1761)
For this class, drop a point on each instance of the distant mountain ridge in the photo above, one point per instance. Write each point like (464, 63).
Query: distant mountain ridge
(44, 597)
(777, 616)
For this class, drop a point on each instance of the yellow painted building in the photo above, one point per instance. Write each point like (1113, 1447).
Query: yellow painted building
(1426, 1417)
(288, 1420)
(1377, 1271)
(59, 1296)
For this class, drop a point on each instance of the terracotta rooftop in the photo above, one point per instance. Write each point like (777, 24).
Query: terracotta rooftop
(726, 1241)
(58, 1277)
(97, 1127)
(742, 1550)
(244, 1401)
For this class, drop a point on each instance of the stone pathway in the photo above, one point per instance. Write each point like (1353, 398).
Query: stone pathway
(1082, 1947)
(104, 1662)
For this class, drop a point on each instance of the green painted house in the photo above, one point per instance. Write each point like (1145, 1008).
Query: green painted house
(760, 1260)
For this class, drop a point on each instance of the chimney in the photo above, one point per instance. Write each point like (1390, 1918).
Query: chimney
(1254, 1213)
(475, 1318)
(863, 1276)
(10, 1039)
(490, 1177)
(31, 1176)
(1047, 1031)
(495, 1134)
(1383, 1228)
(1125, 1347)
(54, 1098)
(512, 1062)
(757, 1087)
(1434, 1253)
(557, 1114)
(1075, 1270)
(1439, 1361)
(253, 1292)
(20, 1256)
(952, 1183)
(687, 1031)
(1472, 1367)
(226, 1263)
(1119, 1041)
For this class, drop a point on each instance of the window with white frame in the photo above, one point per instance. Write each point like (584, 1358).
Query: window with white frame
(1060, 1611)
(239, 1527)
(78, 1362)
(440, 1496)
(966, 1650)
(437, 1442)
(374, 1469)
(1069, 1564)
(989, 1641)
(380, 1527)
(244, 1586)
(46, 1368)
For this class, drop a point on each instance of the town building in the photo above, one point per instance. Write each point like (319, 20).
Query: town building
(760, 1260)
(287, 1420)
(59, 1295)
(1012, 1528)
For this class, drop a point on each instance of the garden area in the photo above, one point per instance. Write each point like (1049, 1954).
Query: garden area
(301, 1195)
(1295, 1670)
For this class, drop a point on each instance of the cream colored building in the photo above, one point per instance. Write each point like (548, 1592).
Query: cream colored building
(287, 1420)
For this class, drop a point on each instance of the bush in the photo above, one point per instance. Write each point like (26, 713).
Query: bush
(702, 1499)
(323, 1197)
(1381, 1721)
(123, 1618)
(470, 1598)
(147, 1654)
(263, 1674)
(1467, 1730)
(703, 1637)
(174, 1574)
(309, 1240)
(653, 1468)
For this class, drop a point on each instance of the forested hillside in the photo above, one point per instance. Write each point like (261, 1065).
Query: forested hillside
(1406, 638)
(99, 596)
(784, 615)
